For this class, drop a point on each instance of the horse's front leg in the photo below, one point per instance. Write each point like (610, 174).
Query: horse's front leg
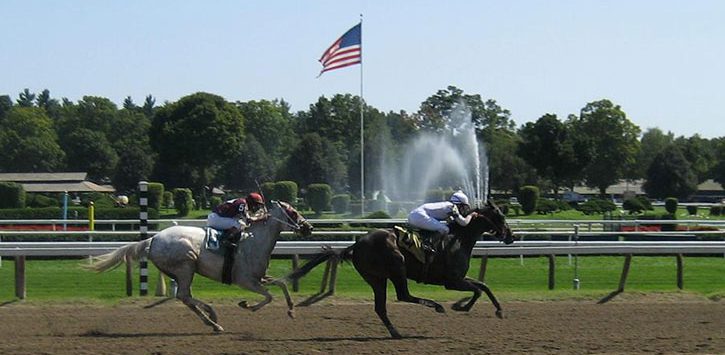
(464, 285)
(283, 286)
(482, 286)
(257, 287)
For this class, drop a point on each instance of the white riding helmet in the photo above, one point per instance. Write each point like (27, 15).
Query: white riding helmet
(459, 197)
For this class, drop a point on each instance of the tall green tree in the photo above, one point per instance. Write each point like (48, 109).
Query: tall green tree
(26, 98)
(315, 160)
(91, 152)
(6, 103)
(271, 127)
(250, 165)
(28, 142)
(670, 175)
(653, 142)
(699, 153)
(718, 171)
(548, 146)
(195, 135)
(612, 140)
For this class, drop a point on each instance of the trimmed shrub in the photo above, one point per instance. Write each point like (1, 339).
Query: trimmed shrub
(340, 203)
(671, 205)
(716, 210)
(378, 215)
(645, 203)
(216, 201)
(545, 206)
(319, 197)
(436, 195)
(633, 205)
(394, 208)
(268, 191)
(528, 197)
(286, 191)
(168, 198)
(183, 201)
(39, 201)
(692, 210)
(156, 193)
(12, 195)
(596, 205)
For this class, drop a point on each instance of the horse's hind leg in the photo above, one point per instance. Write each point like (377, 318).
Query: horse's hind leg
(464, 285)
(379, 286)
(283, 286)
(208, 316)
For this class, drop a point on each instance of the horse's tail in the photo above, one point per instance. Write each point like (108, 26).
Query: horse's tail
(318, 259)
(128, 252)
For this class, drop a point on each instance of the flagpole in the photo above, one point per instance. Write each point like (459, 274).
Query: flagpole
(362, 136)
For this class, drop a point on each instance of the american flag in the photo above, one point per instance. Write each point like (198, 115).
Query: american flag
(346, 51)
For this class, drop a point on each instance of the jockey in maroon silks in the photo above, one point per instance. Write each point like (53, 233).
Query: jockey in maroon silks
(234, 216)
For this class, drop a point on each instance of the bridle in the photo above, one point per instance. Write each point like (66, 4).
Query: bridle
(295, 225)
(499, 230)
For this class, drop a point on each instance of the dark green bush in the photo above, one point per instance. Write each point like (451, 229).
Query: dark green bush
(671, 205)
(183, 201)
(319, 197)
(215, 201)
(378, 215)
(36, 200)
(12, 195)
(633, 205)
(286, 191)
(645, 202)
(156, 193)
(716, 210)
(168, 199)
(692, 210)
(545, 206)
(341, 203)
(528, 197)
(595, 206)
(80, 212)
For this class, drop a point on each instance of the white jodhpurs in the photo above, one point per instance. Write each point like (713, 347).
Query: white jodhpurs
(423, 221)
(218, 222)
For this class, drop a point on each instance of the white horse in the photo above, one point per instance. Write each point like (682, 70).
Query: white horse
(179, 252)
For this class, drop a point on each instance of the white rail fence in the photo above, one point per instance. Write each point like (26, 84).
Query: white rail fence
(574, 231)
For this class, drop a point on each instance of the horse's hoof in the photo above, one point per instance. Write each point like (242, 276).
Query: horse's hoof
(291, 314)
(218, 329)
(243, 304)
(396, 335)
(440, 309)
(457, 307)
(499, 314)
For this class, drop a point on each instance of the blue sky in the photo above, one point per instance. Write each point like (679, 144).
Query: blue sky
(662, 61)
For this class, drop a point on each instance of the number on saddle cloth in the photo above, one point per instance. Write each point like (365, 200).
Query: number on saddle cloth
(410, 241)
(212, 237)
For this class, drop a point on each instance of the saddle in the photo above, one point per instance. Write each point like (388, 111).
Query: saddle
(223, 244)
(410, 240)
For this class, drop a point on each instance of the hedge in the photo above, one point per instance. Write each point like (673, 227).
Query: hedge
(528, 197)
(341, 203)
(671, 205)
(12, 195)
(286, 191)
(82, 213)
(156, 193)
(183, 201)
(319, 197)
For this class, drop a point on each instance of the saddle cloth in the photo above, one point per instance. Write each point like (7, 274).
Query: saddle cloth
(211, 240)
(410, 240)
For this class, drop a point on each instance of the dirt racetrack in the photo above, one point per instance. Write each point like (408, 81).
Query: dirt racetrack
(629, 324)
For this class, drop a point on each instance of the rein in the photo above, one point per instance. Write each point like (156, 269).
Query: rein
(288, 221)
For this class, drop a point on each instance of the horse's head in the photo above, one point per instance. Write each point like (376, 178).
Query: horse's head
(290, 218)
(495, 221)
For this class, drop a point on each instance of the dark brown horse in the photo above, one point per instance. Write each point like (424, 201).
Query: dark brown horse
(377, 258)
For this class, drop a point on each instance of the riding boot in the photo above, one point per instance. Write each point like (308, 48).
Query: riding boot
(229, 241)
(429, 247)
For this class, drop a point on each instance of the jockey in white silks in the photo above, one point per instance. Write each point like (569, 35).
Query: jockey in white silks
(434, 216)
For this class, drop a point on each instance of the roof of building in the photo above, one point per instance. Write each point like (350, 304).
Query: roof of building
(710, 185)
(55, 182)
(43, 177)
(617, 189)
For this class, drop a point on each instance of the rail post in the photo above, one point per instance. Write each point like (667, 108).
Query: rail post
(552, 271)
(482, 270)
(143, 228)
(295, 266)
(91, 225)
(20, 277)
(680, 268)
(576, 281)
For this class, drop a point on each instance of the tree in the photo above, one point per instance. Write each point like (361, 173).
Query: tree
(90, 151)
(267, 122)
(652, 143)
(315, 160)
(699, 153)
(718, 171)
(195, 134)
(250, 165)
(28, 142)
(51, 106)
(670, 175)
(6, 103)
(148, 108)
(134, 164)
(507, 171)
(26, 98)
(548, 146)
(612, 140)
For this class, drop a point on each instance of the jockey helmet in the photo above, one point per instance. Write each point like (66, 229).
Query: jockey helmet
(459, 197)
(255, 198)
